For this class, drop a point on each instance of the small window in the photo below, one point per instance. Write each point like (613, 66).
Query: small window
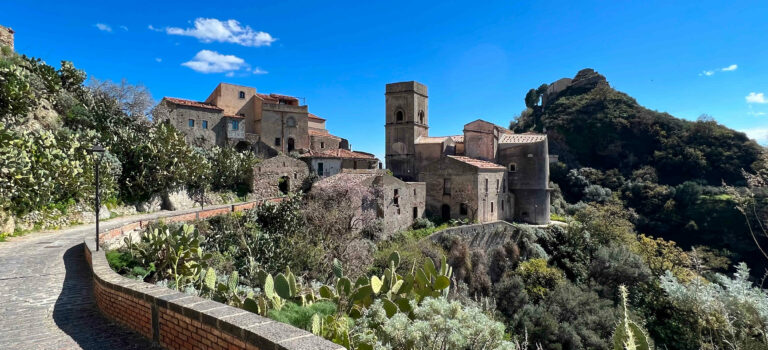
(242, 95)
(414, 192)
(497, 185)
(397, 198)
(491, 207)
(320, 169)
(205, 124)
(486, 185)
(235, 124)
(191, 123)
(399, 116)
(447, 186)
(415, 212)
(295, 175)
(290, 122)
(354, 165)
(277, 141)
(463, 210)
(502, 206)
(512, 167)
(322, 144)
(421, 117)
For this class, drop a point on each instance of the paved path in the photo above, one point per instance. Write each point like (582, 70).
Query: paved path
(46, 299)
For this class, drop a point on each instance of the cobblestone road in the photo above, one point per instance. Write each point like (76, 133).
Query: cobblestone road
(46, 297)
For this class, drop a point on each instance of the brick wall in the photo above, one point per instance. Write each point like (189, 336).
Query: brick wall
(176, 320)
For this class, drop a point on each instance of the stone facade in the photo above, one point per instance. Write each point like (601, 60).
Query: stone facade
(278, 175)
(518, 163)
(242, 117)
(6, 37)
(398, 203)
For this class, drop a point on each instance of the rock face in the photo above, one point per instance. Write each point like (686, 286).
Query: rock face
(88, 216)
(151, 205)
(584, 81)
(177, 200)
(7, 223)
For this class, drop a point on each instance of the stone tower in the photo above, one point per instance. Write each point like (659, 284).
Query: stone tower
(407, 119)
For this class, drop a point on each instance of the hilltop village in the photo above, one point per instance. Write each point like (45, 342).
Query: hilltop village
(487, 173)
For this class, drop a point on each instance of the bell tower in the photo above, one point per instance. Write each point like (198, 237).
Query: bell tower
(407, 119)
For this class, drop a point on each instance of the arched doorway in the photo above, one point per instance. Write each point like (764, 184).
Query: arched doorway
(284, 184)
(242, 146)
(445, 212)
(291, 144)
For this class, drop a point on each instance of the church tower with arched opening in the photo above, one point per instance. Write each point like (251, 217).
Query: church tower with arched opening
(407, 119)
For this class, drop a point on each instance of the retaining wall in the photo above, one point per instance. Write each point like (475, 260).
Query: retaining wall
(176, 320)
(485, 236)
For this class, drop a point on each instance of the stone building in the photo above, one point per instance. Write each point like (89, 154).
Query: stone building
(246, 118)
(330, 162)
(278, 175)
(395, 202)
(6, 37)
(488, 173)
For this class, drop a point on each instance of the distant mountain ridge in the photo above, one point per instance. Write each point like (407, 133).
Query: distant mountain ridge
(590, 124)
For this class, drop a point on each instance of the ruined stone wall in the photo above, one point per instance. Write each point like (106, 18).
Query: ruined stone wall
(397, 202)
(530, 181)
(267, 175)
(318, 143)
(485, 236)
(6, 37)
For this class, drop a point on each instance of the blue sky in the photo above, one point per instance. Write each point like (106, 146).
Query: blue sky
(477, 58)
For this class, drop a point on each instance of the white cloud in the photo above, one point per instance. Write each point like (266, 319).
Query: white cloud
(709, 73)
(124, 28)
(207, 61)
(158, 59)
(758, 134)
(151, 27)
(103, 27)
(258, 70)
(756, 98)
(210, 29)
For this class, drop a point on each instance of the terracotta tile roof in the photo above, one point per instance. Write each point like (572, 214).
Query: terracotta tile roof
(267, 98)
(234, 116)
(482, 164)
(284, 97)
(339, 153)
(319, 132)
(312, 116)
(437, 139)
(190, 103)
(457, 138)
(345, 180)
(522, 138)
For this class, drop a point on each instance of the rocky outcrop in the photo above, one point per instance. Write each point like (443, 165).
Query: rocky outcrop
(584, 81)
(7, 223)
(152, 204)
(177, 200)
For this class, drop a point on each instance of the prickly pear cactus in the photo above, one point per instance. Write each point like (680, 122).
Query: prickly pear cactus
(628, 335)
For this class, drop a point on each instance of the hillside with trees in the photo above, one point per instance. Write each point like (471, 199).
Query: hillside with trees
(669, 172)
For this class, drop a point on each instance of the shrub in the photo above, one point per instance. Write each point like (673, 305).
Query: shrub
(538, 277)
(435, 321)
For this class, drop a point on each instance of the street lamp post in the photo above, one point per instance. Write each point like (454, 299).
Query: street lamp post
(97, 153)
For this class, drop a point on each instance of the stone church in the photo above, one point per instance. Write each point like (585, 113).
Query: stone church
(489, 173)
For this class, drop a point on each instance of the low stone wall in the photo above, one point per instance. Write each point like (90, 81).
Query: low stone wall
(176, 320)
(484, 236)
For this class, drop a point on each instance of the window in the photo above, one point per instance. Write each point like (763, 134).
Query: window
(242, 95)
(399, 116)
(235, 124)
(191, 123)
(502, 206)
(414, 192)
(205, 124)
(512, 167)
(396, 197)
(504, 187)
(463, 210)
(354, 165)
(291, 144)
(295, 175)
(322, 144)
(415, 212)
(319, 169)
(491, 207)
(497, 185)
(447, 186)
(421, 117)
(277, 141)
(486, 185)
(290, 122)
